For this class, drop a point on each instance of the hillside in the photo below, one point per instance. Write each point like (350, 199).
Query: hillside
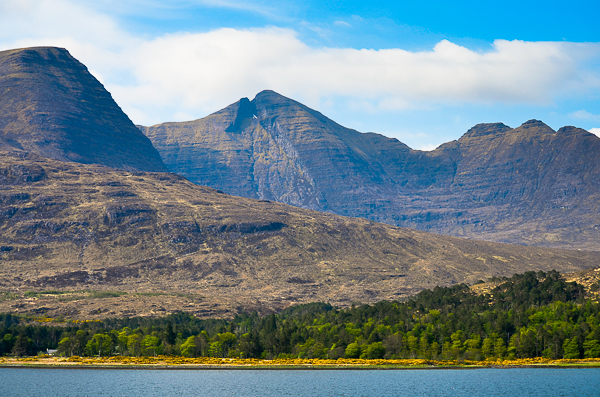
(535, 314)
(116, 243)
(528, 185)
(51, 105)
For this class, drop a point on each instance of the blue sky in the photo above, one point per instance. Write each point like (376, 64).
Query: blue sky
(423, 72)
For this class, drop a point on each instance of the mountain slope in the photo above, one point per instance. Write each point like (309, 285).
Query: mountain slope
(72, 227)
(529, 185)
(51, 105)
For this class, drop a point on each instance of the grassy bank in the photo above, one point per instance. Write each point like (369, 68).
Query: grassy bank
(235, 363)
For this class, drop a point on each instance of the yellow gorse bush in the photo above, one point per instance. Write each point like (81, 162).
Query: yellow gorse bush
(342, 362)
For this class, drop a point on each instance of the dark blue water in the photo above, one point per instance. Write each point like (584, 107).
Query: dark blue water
(149, 383)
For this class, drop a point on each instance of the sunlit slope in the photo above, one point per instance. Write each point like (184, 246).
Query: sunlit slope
(73, 227)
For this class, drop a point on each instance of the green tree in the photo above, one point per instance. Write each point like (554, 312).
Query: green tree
(123, 338)
(472, 347)
(79, 343)
(152, 345)
(393, 345)
(21, 344)
(248, 346)
(134, 344)
(317, 350)
(65, 346)
(169, 334)
(500, 349)
(424, 346)
(413, 345)
(571, 348)
(9, 342)
(457, 340)
(353, 350)
(203, 343)
(100, 344)
(375, 351)
(228, 341)
(189, 348)
(487, 347)
(215, 349)
(591, 349)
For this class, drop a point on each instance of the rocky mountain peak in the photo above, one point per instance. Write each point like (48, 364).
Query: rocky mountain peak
(537, 125)
(52, 106)
(494, 183)
(570, 130)
(270, 103)
(270, 96)
(245, 110)
(486, 129)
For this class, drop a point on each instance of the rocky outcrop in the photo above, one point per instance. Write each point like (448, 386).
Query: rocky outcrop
(528, 185)
(52, 106)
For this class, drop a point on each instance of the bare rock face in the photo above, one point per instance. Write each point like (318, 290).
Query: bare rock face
(274, 148)
(529, 185)
(51, 105)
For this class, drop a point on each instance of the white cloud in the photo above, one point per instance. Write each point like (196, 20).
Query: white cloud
(163, 78)
(595, 131)
(182, 116)
(342, 24)
(239, 5)
(585, 115)
(428, 147)
(199, 70)
(56, 19)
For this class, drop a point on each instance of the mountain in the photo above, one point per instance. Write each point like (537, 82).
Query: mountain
(528, 185)
(87, 232)
(51, 105)
(88, 241)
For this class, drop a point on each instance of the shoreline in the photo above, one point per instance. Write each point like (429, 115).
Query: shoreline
(270, 365)
(229, 367)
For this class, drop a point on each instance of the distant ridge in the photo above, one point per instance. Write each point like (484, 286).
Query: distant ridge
(528, 185)
(51, 105)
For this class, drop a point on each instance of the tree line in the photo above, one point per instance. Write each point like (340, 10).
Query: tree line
(527, 315)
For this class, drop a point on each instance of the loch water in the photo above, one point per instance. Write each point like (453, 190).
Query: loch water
(580, 382)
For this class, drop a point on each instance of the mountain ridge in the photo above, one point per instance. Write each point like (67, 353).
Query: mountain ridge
(525, 185)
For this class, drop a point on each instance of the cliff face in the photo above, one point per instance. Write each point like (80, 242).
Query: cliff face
(528, 185)
(277, 149)
(51, 105)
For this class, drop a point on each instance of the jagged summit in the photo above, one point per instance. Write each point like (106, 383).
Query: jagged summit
(486, 129)
(534, 123)
(534, 127)
(571, 130)
(525, 185)
(51, 105)
(245, 110)
(270, 95)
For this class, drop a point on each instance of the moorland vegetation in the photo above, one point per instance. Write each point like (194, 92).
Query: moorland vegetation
(535, 315)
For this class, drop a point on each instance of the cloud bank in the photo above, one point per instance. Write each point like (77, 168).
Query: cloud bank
(191, 74)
